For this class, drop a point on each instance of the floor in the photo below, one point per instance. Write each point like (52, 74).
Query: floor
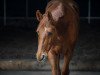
(46, 73)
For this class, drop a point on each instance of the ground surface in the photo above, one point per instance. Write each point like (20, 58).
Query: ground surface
(45, 73)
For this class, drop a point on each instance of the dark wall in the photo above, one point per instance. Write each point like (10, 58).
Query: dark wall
(95, 8)
(17, 8)
(36, 5)
(1, 8)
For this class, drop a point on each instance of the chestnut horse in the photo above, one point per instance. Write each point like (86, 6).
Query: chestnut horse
(57, 34)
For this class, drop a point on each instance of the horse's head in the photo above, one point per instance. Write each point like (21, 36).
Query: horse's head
(46, 34)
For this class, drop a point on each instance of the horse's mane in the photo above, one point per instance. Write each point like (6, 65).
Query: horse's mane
(71, 3)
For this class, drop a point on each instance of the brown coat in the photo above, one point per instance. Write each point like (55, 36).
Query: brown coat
(58, 30)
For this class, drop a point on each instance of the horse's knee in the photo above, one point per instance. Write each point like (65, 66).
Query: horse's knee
(54, 62)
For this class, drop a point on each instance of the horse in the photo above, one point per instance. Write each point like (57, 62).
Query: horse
(57, 34)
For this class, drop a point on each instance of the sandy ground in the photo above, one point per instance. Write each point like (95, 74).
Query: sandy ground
(45, 73)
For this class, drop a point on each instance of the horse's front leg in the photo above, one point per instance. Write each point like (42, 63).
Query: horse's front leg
(54, 62)
(65, 68)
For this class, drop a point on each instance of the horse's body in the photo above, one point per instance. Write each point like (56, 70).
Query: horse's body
(57, 30)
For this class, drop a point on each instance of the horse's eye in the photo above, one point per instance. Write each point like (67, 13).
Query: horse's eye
(49, 33)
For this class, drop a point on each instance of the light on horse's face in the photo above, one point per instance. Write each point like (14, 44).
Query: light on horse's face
(43, 43)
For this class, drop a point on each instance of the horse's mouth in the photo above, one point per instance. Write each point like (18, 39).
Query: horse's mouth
(42, 58)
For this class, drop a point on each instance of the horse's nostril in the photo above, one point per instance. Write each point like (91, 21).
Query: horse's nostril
(43, 58)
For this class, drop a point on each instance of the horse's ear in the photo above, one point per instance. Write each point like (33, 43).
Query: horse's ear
(39, 16)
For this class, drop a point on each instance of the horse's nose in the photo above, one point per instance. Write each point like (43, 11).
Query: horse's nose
(42, 57)
(38, 56)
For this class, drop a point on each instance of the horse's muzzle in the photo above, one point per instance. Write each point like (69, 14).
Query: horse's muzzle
(43, 57)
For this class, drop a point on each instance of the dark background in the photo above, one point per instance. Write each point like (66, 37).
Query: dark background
(18, 39)
(17, 8)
